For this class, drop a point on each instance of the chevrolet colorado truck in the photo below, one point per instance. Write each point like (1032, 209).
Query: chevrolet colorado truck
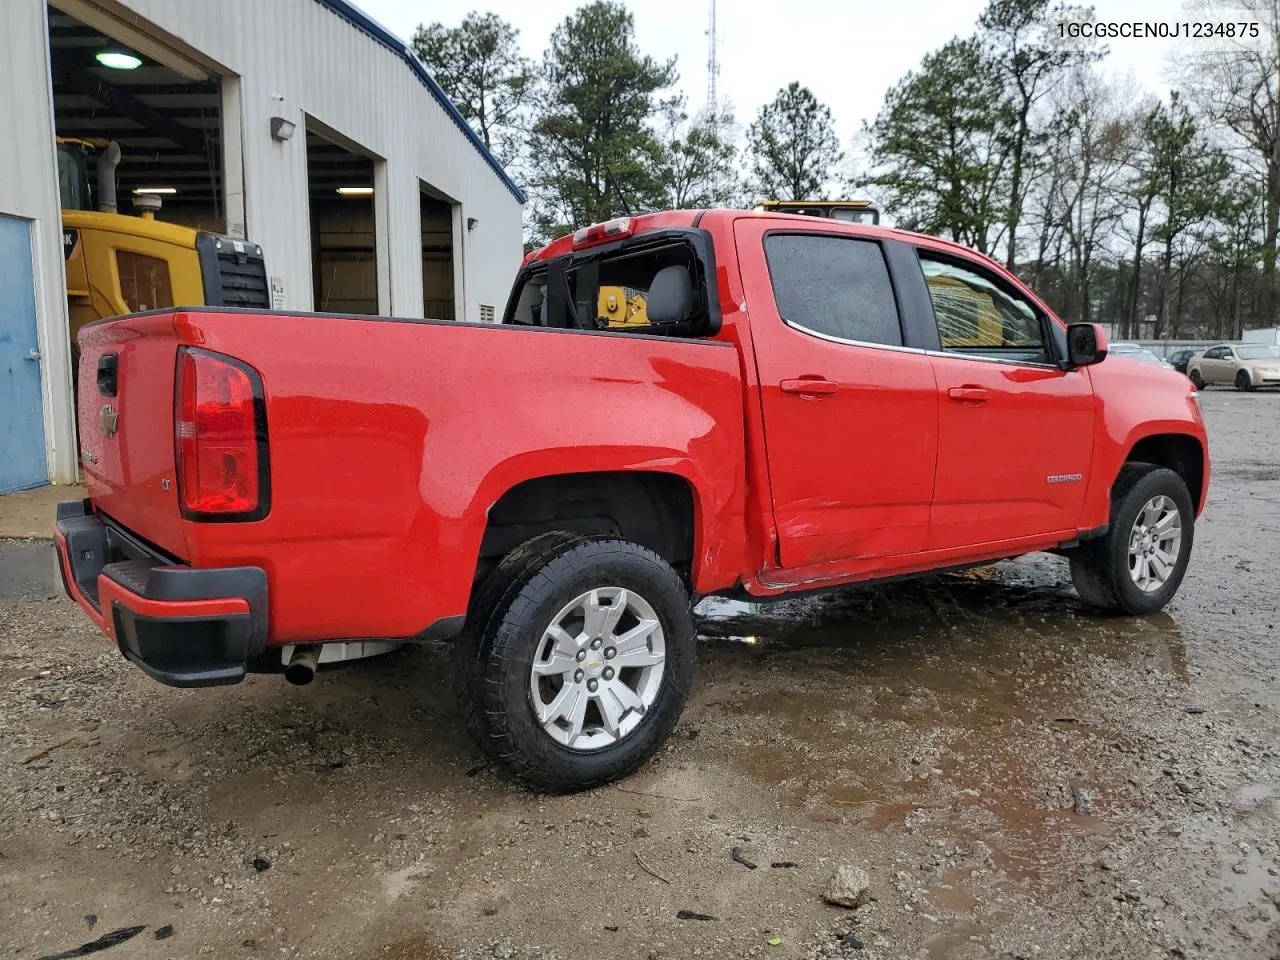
(809, 404)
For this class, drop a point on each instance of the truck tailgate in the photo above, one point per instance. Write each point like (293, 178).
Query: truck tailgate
(126, 410)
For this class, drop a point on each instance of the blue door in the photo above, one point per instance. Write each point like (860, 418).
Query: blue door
(22, 462)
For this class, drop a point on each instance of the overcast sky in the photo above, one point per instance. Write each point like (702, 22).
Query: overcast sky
(849, 52)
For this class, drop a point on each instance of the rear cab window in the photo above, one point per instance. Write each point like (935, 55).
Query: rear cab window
(610, 290)
(834, 286)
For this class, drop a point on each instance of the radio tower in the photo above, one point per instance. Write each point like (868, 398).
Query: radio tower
(713, 70)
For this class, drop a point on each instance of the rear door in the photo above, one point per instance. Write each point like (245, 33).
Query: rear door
(1015, 430)
(1211, 365)
(850, 416)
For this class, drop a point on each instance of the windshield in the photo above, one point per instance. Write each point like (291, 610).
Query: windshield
(854, 215)
(1258, 353)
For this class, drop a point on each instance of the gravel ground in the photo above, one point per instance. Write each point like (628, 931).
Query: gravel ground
(1017, 777)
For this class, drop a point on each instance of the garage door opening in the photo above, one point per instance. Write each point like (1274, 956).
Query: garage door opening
(168, 127)
(344, 248)
(438, 298)
(142, 176)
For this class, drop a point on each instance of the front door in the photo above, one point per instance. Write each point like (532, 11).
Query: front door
(22, 459)
(851, 419)
(1015, 430)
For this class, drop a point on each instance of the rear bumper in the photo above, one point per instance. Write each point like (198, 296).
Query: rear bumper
(184, 627)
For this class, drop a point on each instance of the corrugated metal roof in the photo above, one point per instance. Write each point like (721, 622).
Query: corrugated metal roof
(380, 34)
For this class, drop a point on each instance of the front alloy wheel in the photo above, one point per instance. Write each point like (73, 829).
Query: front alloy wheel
(1155, 543)
(1138, 564)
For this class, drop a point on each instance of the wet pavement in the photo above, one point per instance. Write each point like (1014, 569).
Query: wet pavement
(1019, 777)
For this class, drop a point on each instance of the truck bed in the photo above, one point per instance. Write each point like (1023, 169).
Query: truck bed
(389, 440)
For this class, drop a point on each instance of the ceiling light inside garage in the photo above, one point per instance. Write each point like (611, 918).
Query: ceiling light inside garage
(119, 60)
(162, 191)
(355, 191)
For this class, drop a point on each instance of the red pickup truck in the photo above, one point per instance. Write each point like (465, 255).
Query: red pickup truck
(809, 404)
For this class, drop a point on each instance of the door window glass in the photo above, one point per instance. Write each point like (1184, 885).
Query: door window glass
(978, 317)
(834, 286)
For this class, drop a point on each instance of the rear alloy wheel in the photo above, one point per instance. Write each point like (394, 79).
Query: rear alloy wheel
(1138, 565)
(583, 662)
(1243, 381)
(1197, 380)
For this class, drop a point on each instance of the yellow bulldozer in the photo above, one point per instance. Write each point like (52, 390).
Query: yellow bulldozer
(850, 211)
(117, 263)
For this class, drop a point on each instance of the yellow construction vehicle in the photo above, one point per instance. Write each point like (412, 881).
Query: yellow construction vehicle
(116, 263)
(850, 211)
(622, 307)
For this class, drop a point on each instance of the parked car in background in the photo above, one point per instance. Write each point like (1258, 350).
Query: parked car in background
(1247, 366)
(1180, 358)
(1135, 352)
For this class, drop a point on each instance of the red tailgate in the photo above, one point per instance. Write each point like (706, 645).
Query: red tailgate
(125, 407)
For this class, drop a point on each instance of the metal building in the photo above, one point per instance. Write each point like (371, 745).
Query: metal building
(300, 125)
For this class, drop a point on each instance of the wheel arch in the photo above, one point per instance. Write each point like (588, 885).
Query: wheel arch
(660, 510)
(1180, 452)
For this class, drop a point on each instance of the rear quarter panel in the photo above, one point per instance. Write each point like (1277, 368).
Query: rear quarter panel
(390, 441)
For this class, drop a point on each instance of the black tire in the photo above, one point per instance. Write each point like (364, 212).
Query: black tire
(1100, 568)
(1244, 382)
(513, 609)
(1197, 380)
(468, 647)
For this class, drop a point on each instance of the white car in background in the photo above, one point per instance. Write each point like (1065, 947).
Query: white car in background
(1135, 352)
(1246, 366)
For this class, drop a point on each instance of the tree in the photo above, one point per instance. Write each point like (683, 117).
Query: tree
(698, 159)
(479, 65)
(938, 146)
(593, 151)
(1096, 140)
(1188, 172)
(792, 146)
(1235, 82)
(1017, 37)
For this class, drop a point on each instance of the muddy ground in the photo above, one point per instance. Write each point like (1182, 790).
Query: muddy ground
(1019, 778)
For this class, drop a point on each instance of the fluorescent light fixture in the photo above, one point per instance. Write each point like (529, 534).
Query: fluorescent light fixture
(159, 191)
(355, 191)
(117, 60)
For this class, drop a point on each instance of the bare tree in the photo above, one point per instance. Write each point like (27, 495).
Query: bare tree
(1097, 138)
(1235, 82)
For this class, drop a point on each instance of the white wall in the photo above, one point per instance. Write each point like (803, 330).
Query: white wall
(29, 189)
(297, 59)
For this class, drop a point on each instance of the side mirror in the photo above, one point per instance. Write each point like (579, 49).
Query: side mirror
(1086, 344)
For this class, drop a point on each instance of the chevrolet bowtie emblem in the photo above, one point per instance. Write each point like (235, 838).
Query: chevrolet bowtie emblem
(109, 420)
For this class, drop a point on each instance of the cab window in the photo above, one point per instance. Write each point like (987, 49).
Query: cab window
(979, 317)
(611, 293)
(144, 281)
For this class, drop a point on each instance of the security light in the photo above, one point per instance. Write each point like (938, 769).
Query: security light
(282, 129)
(355, 191)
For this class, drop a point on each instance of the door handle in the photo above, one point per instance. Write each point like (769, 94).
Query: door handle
(969, 394)
(809, 386)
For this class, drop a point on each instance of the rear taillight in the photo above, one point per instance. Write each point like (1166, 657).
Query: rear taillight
(221, 439)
